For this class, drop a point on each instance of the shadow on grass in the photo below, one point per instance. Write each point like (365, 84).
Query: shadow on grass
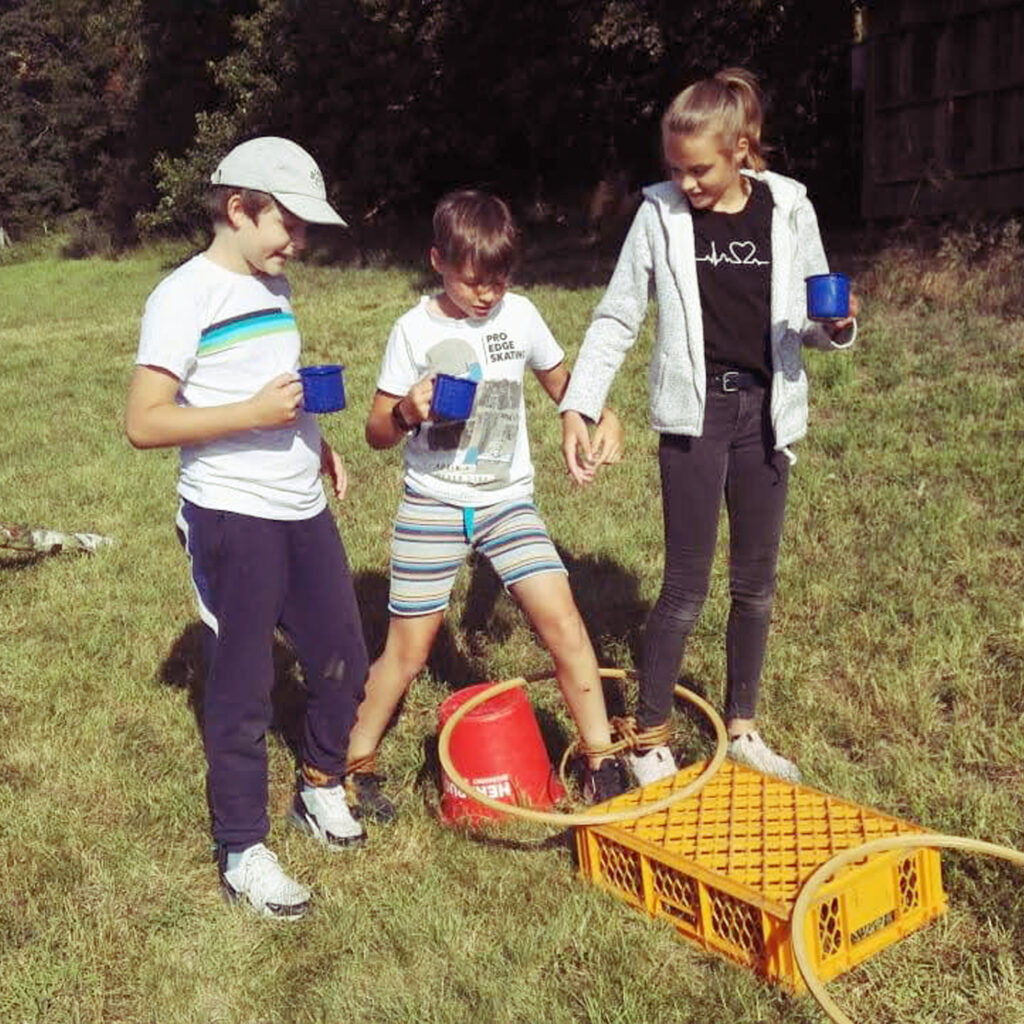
(185, 666)
(607, 596)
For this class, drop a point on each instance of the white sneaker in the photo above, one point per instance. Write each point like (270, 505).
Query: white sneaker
(323, 812)
(751, 750)
(258, 878)
(655, 765)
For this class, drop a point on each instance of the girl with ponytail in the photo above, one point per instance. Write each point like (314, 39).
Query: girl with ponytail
(726, 244)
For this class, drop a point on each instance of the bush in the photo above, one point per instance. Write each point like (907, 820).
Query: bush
(87, 236)
(974, 268)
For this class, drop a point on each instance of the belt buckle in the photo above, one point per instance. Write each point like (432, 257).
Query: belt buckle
(729, 379)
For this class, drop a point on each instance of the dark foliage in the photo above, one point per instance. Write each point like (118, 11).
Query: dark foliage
(122, 108)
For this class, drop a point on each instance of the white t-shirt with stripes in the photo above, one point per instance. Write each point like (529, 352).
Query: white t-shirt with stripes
(225, 335)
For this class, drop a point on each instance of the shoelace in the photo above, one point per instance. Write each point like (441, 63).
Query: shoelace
(262, 876)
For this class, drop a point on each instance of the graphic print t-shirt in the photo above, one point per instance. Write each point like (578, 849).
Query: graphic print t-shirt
(485, 459)
(224, 336)
(734, 262)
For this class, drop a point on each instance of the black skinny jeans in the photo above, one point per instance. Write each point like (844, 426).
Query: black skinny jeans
(734, 457)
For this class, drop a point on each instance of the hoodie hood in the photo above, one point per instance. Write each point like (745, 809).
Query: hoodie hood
(786, 193)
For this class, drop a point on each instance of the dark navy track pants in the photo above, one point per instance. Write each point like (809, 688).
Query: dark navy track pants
(253, 576)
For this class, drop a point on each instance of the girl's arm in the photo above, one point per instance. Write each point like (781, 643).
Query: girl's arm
(616, 322)
(840, 333)
(153, 418)
(582, 455)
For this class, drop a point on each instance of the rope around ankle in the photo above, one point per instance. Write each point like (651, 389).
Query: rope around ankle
(631, 739)
(365, 765)
(316, 777)
(589, 816)
(634, 738)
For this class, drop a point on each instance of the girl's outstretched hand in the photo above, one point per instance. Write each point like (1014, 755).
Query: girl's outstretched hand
(576, 450)
(607, 442)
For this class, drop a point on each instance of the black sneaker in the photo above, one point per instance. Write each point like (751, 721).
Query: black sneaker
(605, 782)
(369, 799)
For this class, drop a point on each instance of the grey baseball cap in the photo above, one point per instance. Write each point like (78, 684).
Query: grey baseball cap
(285, 170)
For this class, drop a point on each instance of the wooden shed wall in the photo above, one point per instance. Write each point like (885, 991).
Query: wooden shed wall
(944, 107)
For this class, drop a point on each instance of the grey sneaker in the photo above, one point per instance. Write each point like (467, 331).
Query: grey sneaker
(258, 878)
(323, 812)
(653, 765)
(751, 750)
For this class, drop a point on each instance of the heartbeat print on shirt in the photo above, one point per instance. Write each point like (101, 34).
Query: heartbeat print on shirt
(738, 253)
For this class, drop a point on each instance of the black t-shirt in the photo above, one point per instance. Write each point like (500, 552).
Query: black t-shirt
(734, 262)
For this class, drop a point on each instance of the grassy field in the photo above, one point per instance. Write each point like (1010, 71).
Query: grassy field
(895, 677)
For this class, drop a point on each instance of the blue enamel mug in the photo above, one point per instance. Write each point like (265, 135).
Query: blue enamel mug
(323, 388)
(828, 296)
(452, 398)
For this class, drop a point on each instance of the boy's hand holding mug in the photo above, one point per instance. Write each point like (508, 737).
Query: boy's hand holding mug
(415, 407)
(277, 403)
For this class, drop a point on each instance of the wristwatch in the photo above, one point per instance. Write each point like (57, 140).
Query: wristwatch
(399, 420)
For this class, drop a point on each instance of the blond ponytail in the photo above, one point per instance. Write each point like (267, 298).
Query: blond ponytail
(728, 104)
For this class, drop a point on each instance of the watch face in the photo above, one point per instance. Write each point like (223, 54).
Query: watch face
(399, 420)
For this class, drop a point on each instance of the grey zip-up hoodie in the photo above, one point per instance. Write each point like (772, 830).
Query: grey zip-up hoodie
(660, 245)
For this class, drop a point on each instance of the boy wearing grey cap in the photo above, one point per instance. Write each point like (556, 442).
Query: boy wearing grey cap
(216, 377)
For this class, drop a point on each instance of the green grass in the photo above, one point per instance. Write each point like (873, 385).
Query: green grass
(895, 677)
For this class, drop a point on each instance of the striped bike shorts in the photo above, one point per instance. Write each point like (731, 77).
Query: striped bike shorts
(431, 540)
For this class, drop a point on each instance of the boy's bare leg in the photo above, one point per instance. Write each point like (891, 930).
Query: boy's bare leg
(405, 653)
(548, 602)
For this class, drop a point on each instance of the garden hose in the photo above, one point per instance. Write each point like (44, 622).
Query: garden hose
(579, 817)
(809, 889)
(830, 867)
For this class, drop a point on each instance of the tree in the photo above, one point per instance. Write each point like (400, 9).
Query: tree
(34, 183)
(126, 105)
(342, 80)
(93, 89)
(401, 100)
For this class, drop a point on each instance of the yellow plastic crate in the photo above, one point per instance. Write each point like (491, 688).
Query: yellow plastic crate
(725, 867)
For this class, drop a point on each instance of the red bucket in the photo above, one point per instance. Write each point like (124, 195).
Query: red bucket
(499, 749)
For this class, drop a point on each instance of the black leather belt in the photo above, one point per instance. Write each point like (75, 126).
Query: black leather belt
(734, 380)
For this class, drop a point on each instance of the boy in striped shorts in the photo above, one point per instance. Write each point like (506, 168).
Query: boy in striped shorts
(469, 483)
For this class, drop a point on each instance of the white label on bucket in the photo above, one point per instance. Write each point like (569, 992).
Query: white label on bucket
(493, 786)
